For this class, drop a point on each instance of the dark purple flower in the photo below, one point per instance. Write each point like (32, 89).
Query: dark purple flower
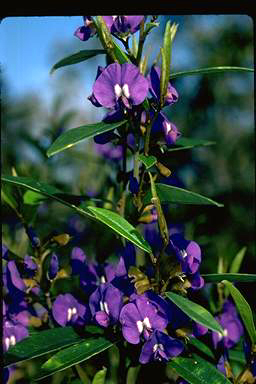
(30, 266)
(233, 329)
(188, 253)
(14, 283)
(133, 184)
(123, 24)
(120, 83)
(109, 151)
(4, 252)
(12, 333)
(53, 267)
(105, 304)
(34, 239)
(141, 317)
(154, 87)
(160, 347)
(67, 310)
(87, 30)
(168, 129)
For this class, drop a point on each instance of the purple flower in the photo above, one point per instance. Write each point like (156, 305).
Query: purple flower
(120, 83)
(123, 24)
(67, 310)
(12, 333)
(4, 252)
(154, 87)
(141, 317)
(233, 329)
(14, 283)
(34, 239)
(160, 347)
(30, 266)
(133, 184)
(53, 267)
(105, 304)
(87, 30)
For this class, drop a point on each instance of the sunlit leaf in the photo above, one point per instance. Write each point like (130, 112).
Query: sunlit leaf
(195, 311)
(77, 57)
(100, 376)
(73, 355)
(197, 370)
(76, 135)
(171, 194)
(41, 343)
(210, 70)
(237, 261)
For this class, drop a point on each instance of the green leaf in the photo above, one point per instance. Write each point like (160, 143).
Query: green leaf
(33, 198)
(210, 70)
(166, 62)
(237, 261)
(120, 54)
(105, 36)
(121, 226)
(197, 370)
(171, 194)
(235, 277)
(244, 310)
(76, 135)
(195, 311)
(112, 219)
(77, 58)
(100, 376)
(148, 161)
(41, 343)
(73, 355)
(9, 199)
(201, 347)
(237, 356)
(187, 143)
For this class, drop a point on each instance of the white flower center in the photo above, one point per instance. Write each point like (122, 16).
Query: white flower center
(146, 323)
(118, 90)
(183, 253)
(102, 279)
(225, 334)
(12, 340)
(125, 90)
(7, 342)
(139, 326)
(104, 307)
(158, 346)
(168, 127)
(71, 312)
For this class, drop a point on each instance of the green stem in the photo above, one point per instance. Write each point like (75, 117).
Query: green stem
(148, 132)
(141, 42)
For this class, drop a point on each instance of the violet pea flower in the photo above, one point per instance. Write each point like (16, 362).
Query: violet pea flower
(30, 266)
(67, 310)
(87, 30)
(53, 267)
(12, 333)
(154, 87)
(123, 24)
(160, 347)
(170, 131)
(120, 83)
(233, 329)
(105, 304)
(141, 317)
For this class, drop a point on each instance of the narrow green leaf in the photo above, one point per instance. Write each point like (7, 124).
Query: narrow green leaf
(201, 347)
(171, 194)
(76, 135)
(100, 376)
(73, 355)
(237, 261)
(112, 219)
(195, 311)
(244, 310)
(188, 143)
(148, 161)
(235, 277)
(210, 70)
(238, 356)
(197, 370)
(33, 198)
(120, 54)
(8, 199)
(41, 343)
(77, 58)
(121, 226)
